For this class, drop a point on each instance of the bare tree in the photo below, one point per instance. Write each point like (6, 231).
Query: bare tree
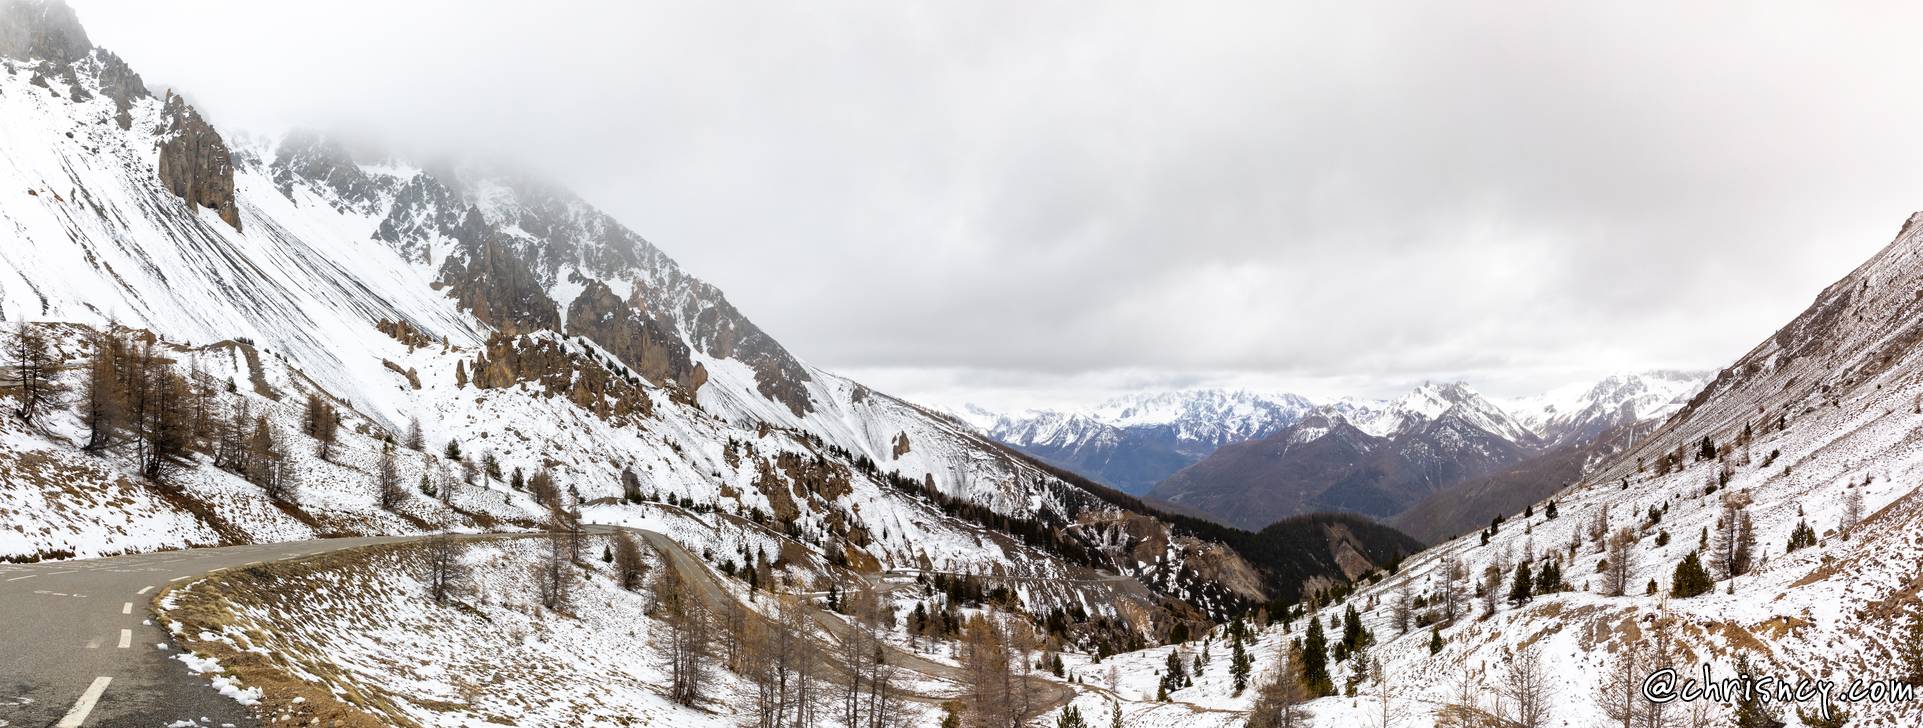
(1278, 702)
(985, 658)
(780, 666)
(554, 575)
(1464, 707)
(1384, 710)
(687, 622)
(1620, 692)
(35, 366)
(1526, 691)
(1622, 562)
(629, 567)
(447, 574)
(103, 396)
(387, 479)
(1450, 590)
(1852, 509)
(1400, 606)
(415, 440)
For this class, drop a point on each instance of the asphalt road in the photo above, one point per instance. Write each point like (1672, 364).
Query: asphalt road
(78, 646)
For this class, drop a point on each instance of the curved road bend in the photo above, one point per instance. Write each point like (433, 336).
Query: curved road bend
(78, 647)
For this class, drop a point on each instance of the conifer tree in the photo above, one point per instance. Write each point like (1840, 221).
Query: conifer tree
(1690, 579)
(1315, 660)
(1520, 587)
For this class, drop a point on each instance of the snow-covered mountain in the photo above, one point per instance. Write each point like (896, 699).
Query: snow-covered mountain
(1582, 412)
(503, 313)
(1818, 429)
(1368, 457)
(1134, 441)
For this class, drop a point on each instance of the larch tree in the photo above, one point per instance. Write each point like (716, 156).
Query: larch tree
(35, 369)
(1526, 690)
(447, 573)
(629, 567)
(1622, 562)
(1278, 702)
(387, 479)
(103, 397)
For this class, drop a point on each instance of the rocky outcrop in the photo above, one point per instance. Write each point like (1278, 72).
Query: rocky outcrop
(424, 210)
(544, 363)
(487, 280)
(195, 164)
(119, 82)
(647, 345)
(304, 156)
(42, 30)
(901, 446)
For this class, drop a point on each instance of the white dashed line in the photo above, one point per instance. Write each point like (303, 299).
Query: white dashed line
(78, 715)
(93, 644)
(127, 608)
(144, 590)
(17, 578)
(178, 578)
(126, 638)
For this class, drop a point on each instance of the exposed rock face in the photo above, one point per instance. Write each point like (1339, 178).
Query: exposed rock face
(424, 210)
(901, 444)
(304, 155)
(490, 282)
(194, 161)
(643, 343)
(119, 82)
(511, 360)
(42, 30)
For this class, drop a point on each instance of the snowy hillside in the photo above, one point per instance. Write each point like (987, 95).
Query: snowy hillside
(1820, 427)
(504, 314)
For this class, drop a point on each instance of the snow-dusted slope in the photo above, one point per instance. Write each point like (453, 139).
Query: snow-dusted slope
(504, 313)
(1825, 413)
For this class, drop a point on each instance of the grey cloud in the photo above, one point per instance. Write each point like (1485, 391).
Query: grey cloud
(1360, 194)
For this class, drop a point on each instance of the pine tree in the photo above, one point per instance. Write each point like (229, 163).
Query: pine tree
(1519, 588)
(1752, 711)
(1435, 640)
(1239, 664)
(1315, 660)
(1690, 579)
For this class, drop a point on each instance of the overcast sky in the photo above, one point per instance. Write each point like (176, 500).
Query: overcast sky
(1040, 203)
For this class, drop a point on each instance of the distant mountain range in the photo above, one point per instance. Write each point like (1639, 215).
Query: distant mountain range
(1134, 442)
(1249, 459)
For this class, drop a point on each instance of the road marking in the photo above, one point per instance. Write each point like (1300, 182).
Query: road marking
(78, 715)
(93, 644)
(127, 608)
(17, 578)
(126, 638)
(178, 578)
(145, 589)
(57, 573)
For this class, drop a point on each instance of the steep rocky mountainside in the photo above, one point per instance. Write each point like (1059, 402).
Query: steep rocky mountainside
(1134, 442)
(503, 313)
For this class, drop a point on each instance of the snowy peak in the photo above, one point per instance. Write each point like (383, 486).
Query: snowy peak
(1133, 441)
(1577, 413)
(1430, 402)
